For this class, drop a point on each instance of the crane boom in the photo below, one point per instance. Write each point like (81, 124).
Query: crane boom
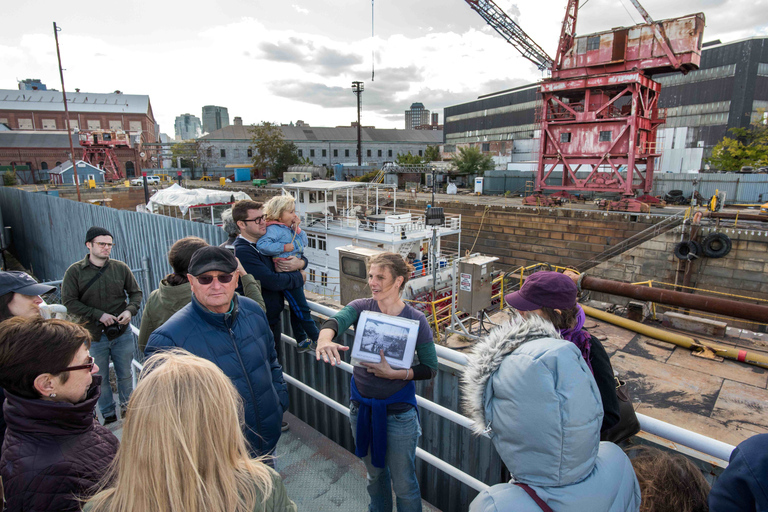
(511, 31)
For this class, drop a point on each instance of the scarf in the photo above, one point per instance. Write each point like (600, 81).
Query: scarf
(579, 337)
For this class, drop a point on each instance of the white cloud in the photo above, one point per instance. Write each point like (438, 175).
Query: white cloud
(300, 9)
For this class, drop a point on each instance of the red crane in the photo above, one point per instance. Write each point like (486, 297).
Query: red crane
(599, 108)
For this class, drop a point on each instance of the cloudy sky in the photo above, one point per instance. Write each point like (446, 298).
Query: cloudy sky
(296, 59)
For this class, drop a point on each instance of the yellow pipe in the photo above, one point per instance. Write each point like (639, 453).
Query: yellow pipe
(678, 339)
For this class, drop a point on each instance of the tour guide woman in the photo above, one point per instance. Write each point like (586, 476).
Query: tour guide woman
(384, 396)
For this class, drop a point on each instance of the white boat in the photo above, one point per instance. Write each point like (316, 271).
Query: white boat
(336, 214)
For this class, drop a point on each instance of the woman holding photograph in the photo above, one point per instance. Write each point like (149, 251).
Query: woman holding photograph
(383, 413)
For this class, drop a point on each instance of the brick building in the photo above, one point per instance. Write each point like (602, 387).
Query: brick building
(38, 126)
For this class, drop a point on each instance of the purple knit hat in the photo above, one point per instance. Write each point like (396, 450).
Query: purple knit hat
(544, 289)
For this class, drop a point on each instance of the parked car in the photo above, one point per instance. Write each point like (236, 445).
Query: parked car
(151, 180)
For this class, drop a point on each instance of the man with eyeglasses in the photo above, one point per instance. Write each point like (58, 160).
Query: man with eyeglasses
(275, 277)
(103, 293)
(232, 332)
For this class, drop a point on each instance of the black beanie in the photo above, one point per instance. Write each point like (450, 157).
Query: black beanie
(95, 231)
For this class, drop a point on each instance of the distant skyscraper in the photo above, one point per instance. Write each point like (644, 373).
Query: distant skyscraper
(417, 115)
(32, 84)
(187, 127)
(434, 119)
(214, 118)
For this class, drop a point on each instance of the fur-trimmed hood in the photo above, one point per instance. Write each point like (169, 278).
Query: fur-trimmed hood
(535, 396)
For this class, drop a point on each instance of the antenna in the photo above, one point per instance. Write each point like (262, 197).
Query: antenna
(358, 88)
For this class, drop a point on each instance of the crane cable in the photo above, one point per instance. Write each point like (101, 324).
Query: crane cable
(373, 47)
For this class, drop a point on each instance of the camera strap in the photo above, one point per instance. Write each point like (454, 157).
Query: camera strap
(94, 279)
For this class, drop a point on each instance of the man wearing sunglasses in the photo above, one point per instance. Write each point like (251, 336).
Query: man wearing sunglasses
(233, 333)
(104, 293)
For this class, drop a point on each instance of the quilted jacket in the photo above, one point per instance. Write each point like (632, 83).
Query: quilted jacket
(53, 452)
(241, 344)
(535, 396)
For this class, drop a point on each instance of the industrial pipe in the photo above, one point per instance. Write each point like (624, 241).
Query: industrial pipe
(737, 215)
(678, 339)
(733, 308)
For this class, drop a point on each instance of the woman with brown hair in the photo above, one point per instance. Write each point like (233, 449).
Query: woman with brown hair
(383, 412)
(54, 448)
(183, 448)
(669, 482)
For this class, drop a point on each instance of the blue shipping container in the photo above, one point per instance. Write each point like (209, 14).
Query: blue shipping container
(243, 174)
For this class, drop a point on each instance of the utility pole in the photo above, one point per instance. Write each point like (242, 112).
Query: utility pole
(358, 88)
(66, 112)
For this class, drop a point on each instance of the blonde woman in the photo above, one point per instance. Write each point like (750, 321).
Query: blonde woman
(183, 447)
(284, 238)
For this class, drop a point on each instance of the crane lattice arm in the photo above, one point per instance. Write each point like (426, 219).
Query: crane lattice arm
(511, 31)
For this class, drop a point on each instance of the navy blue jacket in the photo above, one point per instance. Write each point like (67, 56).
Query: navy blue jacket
(241, 345)
(743, 486)
(273, 283)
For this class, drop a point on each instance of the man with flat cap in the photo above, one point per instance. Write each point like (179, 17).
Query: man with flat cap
(104, 293)
(233, 333)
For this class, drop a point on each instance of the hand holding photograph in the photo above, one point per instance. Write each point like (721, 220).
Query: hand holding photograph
(394, 335)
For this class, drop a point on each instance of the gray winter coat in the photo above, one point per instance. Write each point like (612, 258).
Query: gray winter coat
(536, 397)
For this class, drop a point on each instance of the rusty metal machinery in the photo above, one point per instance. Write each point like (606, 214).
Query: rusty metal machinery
(600, 106)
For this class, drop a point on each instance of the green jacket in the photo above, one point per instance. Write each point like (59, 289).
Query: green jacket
(278, 501)
(167, 300)
(106, 295)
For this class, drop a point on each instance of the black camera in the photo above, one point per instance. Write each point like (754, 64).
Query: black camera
(112, 331)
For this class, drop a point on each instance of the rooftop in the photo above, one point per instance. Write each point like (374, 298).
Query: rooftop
(310, 133)
(51, 101)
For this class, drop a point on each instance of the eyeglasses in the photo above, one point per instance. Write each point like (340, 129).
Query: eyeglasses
(258, 219)
(223, 279)
(104, 245)
(87, 366)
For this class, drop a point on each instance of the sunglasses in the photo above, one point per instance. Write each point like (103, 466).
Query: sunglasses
(223, 279)
(87, 366)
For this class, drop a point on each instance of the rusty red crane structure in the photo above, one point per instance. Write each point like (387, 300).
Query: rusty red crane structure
(99, 150)
(600, 106)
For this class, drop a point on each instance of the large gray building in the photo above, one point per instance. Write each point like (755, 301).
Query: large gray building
(187, 127)
(322, 146)
(729, 90)
(214, 118)
(416, 116)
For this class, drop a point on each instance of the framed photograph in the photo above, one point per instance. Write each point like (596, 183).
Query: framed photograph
(394, 335)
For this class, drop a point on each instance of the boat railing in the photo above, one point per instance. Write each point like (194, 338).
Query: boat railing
(387, 221)
(667, 434)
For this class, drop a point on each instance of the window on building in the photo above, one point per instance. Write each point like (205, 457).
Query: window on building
(94, 124)
(325, 153)
(606, 136)
(313, 197)
(250, 153)
(44, 166)
(486, 147)
(311, 152)
(312, 241)
(593, 43)
(321, 242)
(25, 124)
(346, 152)
(581, 46)
(49, 124)
(565, 137)
(368, 153)
(335, 152)
(324, 278)
(379, 152)
(134, 126)
(3, 120)
(421, 152)
(389, 153)
(312, 275)
(301, 153)
(57, 164)
(357, 152)
(209, 153)
(74, 124)
(115, 125)
(223, 153)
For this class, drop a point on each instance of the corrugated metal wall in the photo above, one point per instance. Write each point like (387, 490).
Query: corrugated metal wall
(49, 233)
(440, 437)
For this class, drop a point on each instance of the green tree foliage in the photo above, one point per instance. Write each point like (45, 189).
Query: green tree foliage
(432, 154)
(472, 161)
(367, 177)
(749, 146)
(187, 151)
(271, 153)
(407, 158)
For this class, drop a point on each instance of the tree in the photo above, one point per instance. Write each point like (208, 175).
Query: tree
(269, 149)
(407, 159)
(472, 161)
(287, 155)
(748, 147)
(432, 154)
(186, 151)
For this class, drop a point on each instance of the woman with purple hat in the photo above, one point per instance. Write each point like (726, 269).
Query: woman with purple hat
(552, 296)
(19, 296)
